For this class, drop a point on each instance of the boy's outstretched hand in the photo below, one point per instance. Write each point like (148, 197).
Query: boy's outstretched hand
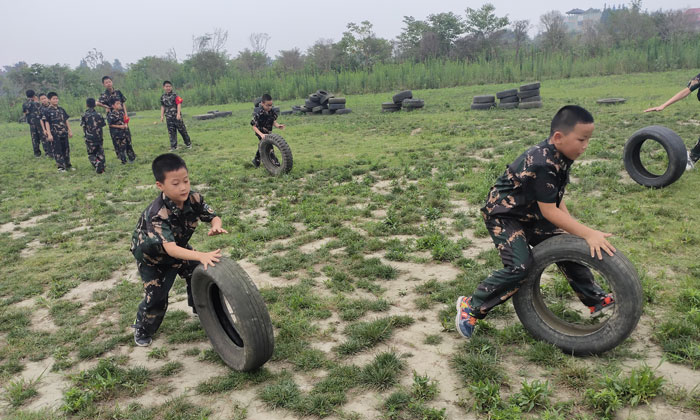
(656, 108)
(216, 231)
(596, 241)
(209, 258)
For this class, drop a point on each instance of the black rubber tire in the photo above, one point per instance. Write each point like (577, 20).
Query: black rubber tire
(532, 99)
(321, 93)
(413, 103)
(257, 101)
(204, 117)
(399, 97)
(305, 109)
(675, 149)
(326, 112)
(287, 112)
(314, 97)
(323, 100)
(336, 107)
(510, 99)
(244, 339)
(286, 162)
(310, 104)
(296, 108)
(580, 340)
(508, 105)
(484, 99)
(528, 93)
(530, 86)
(336, 100)
(530, 105)
(223, 114)
(212, 112)
(483, 106)
(391, 105)
(507, 93)
(317, 109)
(343, 111)
(611, 101)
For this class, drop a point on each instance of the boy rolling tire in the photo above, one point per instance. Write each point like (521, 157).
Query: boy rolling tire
(276, 164)
(233, 315)
(675, 151)
(536, 311)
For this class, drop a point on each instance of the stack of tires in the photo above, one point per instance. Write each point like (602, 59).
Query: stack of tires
(323, 103)
(509, 99)
(483, 102)
(403, 100)
(530, 96)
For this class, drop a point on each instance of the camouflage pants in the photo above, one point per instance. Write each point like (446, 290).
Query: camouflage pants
(61, 150)
(96, 154)
(122, 145)
(157, 281)
(37, 134)
(513, 240)
(257, 152)
(695, 152)
(48, 146)
(175, 125)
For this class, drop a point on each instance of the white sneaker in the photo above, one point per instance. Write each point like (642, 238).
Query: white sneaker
(690, 165)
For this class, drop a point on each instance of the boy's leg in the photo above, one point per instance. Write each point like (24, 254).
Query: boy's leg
(36, 138)
(256, 159)
(510, 239)
(44, 142)
(157, 281)
(180, 124)
(67, 148)
(185, 272)
(129, 149)
(115, 144)
(172, 131)
(695, 152)
(59, 151)
(100, 156)
(121, 148)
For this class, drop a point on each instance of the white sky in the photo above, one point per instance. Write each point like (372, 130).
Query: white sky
(49, 32)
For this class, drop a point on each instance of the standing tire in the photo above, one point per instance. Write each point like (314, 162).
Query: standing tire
(233, 314)
(284, 155)
(399, 97)
(584, 338)
(675, 151)
(484, 99)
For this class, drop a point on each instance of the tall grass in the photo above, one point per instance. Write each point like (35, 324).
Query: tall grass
(533, 63)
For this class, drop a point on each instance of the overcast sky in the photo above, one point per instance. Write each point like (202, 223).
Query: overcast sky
(49, 32)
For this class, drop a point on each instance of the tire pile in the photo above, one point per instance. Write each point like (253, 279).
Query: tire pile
(320, 103)
(210, 115)
(403, 100)
(483, 102)
(526, 98)
(530, 96)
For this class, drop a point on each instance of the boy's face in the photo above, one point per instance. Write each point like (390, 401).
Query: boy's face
(573, 144)
(266, 105)
(117, 105)
(54, 100)
(168, 87)
(176, 185)
(107, 84)
(44, 100)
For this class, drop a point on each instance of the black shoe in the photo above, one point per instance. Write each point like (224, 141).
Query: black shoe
(256, 163)
(141, 338)
(37, 156)
(172, 149)
(274, 160)
(189, 146)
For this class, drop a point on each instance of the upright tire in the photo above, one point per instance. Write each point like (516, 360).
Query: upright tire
(675, 150)
(285, 160)
(573, 338)
(233, 315)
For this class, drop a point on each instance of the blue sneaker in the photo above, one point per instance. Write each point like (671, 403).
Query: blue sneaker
(465, 320)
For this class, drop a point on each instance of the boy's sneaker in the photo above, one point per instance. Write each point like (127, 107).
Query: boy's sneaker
(465, 320)
(602, 307)
(690, 165)
(61, 170)
(256, 163)
(141, 338)
(172, 149)
(189, 146)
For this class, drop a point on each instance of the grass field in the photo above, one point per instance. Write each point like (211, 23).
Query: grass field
(359, 253)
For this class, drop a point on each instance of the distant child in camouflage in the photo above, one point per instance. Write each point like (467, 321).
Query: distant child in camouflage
(118, 129)
(160, 242)
(92, 124)
(58, 131)
(32, 114)
(263, 120)
(106, 101)
(524, 208)
(170, 108)
(43, 105)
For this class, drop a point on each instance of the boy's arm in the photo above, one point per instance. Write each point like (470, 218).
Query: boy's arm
(70, 132)
(206, 258)
(675, 98)
(179, 110)
(258, 132)
(280, 126)
(162, 113)
(216, 228)
(562, 219)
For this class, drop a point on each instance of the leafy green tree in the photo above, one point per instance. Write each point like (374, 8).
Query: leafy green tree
(485, 27)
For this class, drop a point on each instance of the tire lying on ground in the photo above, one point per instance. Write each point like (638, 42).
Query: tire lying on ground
(484, 99)
(343, 111)
(507, 93)
(413, 103)
(204, 117)
(530, 86)
(336, 100)
(284, 155)
(611, 101)
(580, 338)
(675, 150)
(388, 110)
(528, 93)
(223, 114)
(537, 98)
(399, 97)
(233, 315)
(530, 105)
(391, 105)
(510, 99)
(317, 109)
(508, 105)
(478, 106)
(335, 107)
(326, 112)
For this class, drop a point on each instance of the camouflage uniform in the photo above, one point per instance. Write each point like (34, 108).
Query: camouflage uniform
(108, 98)
(167, 100)
(265, 121)
(163, 221)
(48, 145)
(56, 117)
(32, 110)
(515, 223)
(92, 124)
(119, 136)
(695, 151)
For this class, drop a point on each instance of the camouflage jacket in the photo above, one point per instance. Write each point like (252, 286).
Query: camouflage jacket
(163, 221)
(57, 118)
(167, 100)
(539, 174)
(32, 110)
(108, 98)
(264, 120)
(116, 117)
(92, 124)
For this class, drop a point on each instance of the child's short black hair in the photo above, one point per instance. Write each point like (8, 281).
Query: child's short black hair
(90, 102)
(51, 95)
(567, 117)
(266, 97)
(105, 78)
(42, 94)
(167, 162)
(167, 82)
(30, 93)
